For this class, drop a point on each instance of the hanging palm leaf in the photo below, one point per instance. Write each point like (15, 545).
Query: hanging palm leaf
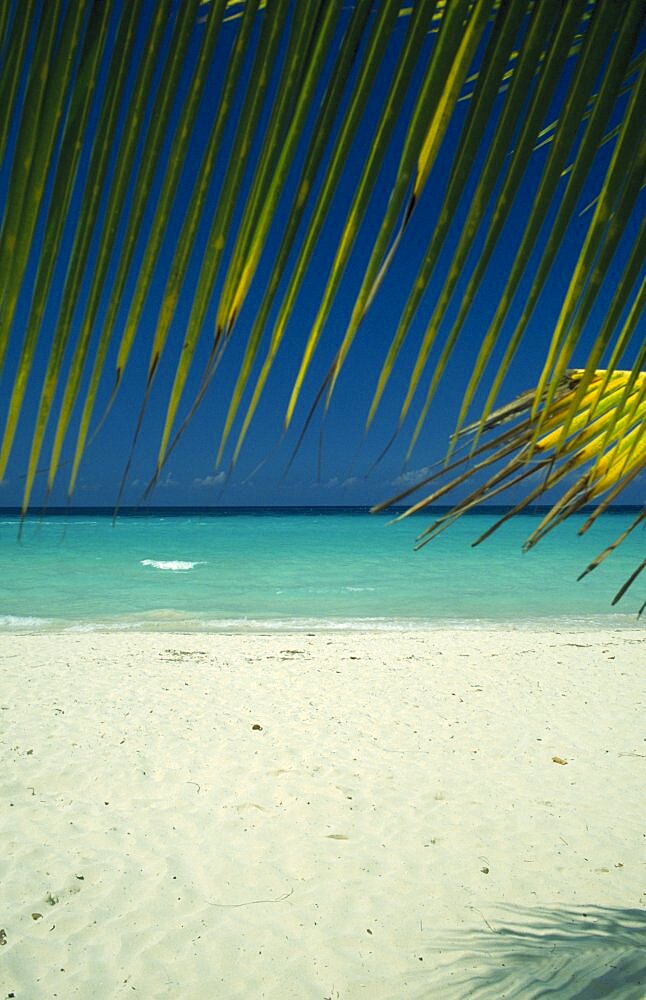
(592, 433)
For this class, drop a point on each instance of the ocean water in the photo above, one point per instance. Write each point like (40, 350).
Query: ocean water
(259, 569)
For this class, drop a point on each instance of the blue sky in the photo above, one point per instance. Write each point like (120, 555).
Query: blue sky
(338, 445)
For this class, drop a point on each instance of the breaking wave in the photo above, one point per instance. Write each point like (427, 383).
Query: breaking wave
(174, 565)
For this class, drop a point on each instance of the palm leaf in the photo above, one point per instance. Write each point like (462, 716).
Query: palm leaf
(584, 159)
(5, 15)
(275, 20)
(302, 71)
(57, 215)
(12, 63)
(153, 143)
(440, 92)
(321, 130)
(86, 227)
(621, 186)
(503, 37)
(603, 453)
(582, 83)
(449, 29)
(374, 53)
(616, 308)
(541, 99)
(34, 147)
(535, 39)
(160, 224)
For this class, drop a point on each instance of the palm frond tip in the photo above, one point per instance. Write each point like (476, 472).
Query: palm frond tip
(599, 447)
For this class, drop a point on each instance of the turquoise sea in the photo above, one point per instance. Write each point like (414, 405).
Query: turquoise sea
(303, 568)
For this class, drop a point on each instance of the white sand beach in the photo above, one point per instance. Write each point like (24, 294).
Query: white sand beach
(451, 813)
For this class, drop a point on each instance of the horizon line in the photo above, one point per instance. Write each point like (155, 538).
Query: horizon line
(12, 510)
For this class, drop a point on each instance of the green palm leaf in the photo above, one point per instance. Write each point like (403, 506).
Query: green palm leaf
(34, 147)
(605, 454)
(302, 70)
(488, 85)
(85, 226)
(160, 222)
(542, 97)
(153, 142)
(625, 175)
(412, 46)
(321, 131)
(57, 216)
(275, 19)
(587, 70)
(537, 33)
(440, 92)
(375, 49)
(12, 63)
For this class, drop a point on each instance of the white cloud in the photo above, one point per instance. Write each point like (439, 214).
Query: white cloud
(412, 476)
(215, 480)
(336, 483)
(330, 484)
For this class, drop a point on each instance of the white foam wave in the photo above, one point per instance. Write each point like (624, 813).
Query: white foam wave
(174, 565)
(10, 622)
(168, 620)
(308, 624)
(106, 626)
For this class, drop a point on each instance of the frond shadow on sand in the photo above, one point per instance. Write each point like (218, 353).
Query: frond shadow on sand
(531, 953)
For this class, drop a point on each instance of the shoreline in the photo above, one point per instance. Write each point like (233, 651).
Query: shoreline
(336, 815)
(166, 621)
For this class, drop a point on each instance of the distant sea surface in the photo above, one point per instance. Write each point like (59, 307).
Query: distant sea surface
(304, 568)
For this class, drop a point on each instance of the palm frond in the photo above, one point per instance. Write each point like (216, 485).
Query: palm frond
(583, 951)
(329, 107)
(520, 159)
(57, 217)
(154, 139)
(374, 52)
(34, 148)
(276, 20)
(590, 438)
(448, 37)
(578, 95)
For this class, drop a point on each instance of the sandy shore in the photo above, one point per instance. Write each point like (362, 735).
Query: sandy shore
(333, 816)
